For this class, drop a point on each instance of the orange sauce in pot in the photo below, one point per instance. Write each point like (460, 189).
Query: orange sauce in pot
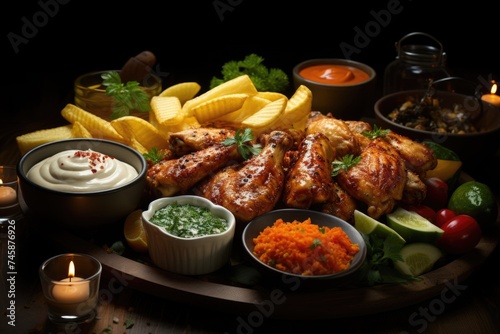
(334, 74)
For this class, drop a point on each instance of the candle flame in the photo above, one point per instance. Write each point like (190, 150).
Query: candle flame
(494, 89)
(71, 270)
(1, 182)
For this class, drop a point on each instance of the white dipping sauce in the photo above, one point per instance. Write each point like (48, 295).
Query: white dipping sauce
(81, 171)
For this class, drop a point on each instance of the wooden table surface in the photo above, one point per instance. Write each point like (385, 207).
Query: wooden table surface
(474, 306)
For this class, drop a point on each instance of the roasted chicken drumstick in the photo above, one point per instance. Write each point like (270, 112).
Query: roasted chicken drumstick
(309, 181)
(253, 187)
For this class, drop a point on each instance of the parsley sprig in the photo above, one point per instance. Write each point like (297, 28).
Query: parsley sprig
(127, 97)
(345, 163)
(378, 267)
(376, 132)
(154, 155)
(242, 140)
(264, 79)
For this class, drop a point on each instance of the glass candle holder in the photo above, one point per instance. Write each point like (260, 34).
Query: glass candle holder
(9, 204)
(70, 284)
(90, 94)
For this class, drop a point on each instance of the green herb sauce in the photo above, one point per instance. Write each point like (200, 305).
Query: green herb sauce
(188, 221)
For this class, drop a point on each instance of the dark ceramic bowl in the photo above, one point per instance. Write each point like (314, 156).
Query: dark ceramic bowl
(344, 101)
(82, 210)
(470, 147)
(253, 229)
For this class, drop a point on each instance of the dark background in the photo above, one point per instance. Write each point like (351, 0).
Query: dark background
(192, 40)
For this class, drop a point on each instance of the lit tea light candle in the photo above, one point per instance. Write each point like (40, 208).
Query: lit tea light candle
(8, 195)
(492, 98)
(72, 289)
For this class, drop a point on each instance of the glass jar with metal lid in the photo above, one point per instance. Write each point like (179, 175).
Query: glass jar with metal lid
(415, 64)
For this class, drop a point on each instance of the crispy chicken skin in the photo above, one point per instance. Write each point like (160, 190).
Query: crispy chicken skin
(191, 140)
(378, 179)
(415, 189)
(309, 181)
(253, 187)
(357, 128)
(180, 175)
(418, 157)
(342, 206)
(337, 132)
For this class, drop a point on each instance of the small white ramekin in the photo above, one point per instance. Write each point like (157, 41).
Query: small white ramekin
(188, 256)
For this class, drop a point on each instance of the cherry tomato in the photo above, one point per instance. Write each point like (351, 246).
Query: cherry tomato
(443, 215)
(425, 211)
(437, 193)
(461, 234)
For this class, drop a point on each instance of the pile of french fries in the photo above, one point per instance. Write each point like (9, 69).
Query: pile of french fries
(233, 104)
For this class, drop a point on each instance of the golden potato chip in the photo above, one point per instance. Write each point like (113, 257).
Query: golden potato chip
(79, 131)
(218, 107)
(183, 91)
(266, 115)
(251, 105)
(166, 110)
(239, 85)
(33, 139)
(144, 132)
(299, 105)
(271, 96)
(301, 124)
(187, 123)
(136, 145)
(97, 126)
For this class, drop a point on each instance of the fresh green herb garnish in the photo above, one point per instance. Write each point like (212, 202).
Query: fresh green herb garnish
(376, 132)
(347, 162)
(241, 140)
(129, 323)
(154, 155)
(316, 243)
(107, 330)
(127, 97)
(378, 267)
(117, 247)
(264, 79)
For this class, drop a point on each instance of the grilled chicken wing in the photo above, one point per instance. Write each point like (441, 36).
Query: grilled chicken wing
(378, 179)
(180, 175)
(415, 189)
(337, 132)
(357, 128)
(309, 180)
(418, 157)
(253, 187)
(342, 206)
(191, 140)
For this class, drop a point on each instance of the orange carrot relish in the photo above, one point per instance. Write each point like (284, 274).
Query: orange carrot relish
(304, 248)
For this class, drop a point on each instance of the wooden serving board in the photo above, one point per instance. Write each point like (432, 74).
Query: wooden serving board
(322, 303)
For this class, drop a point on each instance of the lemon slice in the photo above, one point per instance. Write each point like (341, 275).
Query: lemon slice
(444, 170)
(134, 232)
(368, 225)
(413, 227)
(418, 258)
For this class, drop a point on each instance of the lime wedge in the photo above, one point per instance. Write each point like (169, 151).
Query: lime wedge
(413, 227)
(418, 258)
(368, 225)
